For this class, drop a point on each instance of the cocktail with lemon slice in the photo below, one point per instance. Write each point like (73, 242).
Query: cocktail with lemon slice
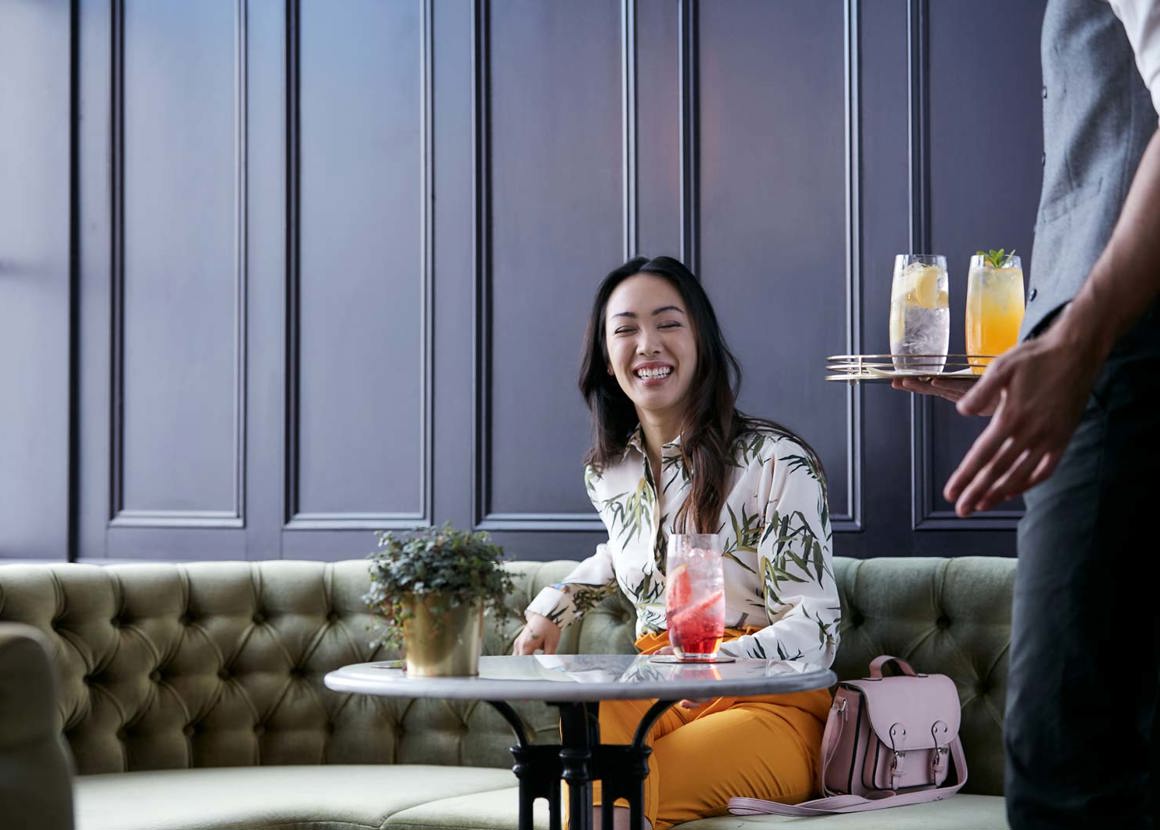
(919, 313)
(694, 595)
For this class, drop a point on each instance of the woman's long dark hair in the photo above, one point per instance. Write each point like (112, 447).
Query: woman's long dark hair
(712, 421)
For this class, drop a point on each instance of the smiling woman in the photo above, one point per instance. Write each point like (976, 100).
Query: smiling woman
(672, 454)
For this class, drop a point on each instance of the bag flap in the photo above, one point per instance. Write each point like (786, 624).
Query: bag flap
(922, 711)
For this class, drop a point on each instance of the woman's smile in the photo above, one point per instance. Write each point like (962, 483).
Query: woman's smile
(653, 374)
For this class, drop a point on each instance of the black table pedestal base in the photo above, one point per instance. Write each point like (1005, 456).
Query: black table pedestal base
(580, 759)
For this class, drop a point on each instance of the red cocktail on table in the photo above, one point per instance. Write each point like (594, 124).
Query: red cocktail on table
(695, 596)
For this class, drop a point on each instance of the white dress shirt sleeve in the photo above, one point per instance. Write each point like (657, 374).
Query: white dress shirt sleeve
(1141, 19)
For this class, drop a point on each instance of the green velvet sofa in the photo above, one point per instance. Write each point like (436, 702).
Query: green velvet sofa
(191, 696)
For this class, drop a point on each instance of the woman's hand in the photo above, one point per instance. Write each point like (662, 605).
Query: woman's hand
(540, 634)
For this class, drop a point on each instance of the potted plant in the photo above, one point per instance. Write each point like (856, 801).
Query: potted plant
(431, 588)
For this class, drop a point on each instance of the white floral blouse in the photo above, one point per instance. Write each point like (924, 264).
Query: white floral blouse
(775, 532)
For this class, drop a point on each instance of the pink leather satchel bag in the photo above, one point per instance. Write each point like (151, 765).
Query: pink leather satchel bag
(889, 741)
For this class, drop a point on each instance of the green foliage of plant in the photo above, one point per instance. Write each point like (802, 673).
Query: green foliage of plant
(444, 567)
(996, 259)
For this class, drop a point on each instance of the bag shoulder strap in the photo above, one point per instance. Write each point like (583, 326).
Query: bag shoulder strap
(739, 806)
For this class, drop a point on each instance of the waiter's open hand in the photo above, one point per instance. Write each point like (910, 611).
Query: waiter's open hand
(1037, 393)
(540, 634)
(950, 389)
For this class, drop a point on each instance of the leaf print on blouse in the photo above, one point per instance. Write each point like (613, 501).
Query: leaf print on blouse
(649, 589)
(798, 556)
(672, 470)
(591, 475)
(746, 536)
(661, 545)
(794, 463)
(586, 597)
(629, 511)
(827, 631)
(748, 447)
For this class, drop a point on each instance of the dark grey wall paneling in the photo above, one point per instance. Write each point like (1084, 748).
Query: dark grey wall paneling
(360, 417)
(883, 231)
(454, 157)
(657, 114)
(555, 224)
(773, 217)
(94, 223)
(35, 324)
(985, 174)
(266, 233)
(339, 275)
(179, 277)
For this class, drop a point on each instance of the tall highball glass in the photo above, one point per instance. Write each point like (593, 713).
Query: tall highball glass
(920, 326)
(695, 595)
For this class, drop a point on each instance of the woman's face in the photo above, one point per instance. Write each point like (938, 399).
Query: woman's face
(652, 348)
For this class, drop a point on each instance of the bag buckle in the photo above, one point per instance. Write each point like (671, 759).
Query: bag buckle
(938, 759)
(938, 762)
(897, 737)
(896, 768)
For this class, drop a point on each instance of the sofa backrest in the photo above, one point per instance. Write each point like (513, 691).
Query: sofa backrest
(221, 663)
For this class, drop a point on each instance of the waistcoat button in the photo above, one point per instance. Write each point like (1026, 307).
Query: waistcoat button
(1031, 296)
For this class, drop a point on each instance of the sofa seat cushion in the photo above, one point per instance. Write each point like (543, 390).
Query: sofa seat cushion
(497, 810)
(960, 812)
(332, 797)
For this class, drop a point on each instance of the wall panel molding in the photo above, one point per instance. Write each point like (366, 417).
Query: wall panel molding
(690, 108)
(629, 115)
(485, 518)
(119, 515)
(851, 521)
(925, 516)
(689, 98)
(296, 519)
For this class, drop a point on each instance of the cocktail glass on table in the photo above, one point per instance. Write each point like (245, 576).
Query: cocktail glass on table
(919, 313)
(695, 596)
(994, 306)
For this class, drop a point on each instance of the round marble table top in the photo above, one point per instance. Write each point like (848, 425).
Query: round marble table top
(587, 677)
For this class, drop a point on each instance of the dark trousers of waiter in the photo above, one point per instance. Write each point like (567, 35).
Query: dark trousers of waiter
(1082, 730)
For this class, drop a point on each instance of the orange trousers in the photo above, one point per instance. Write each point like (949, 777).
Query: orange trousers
(762, 747)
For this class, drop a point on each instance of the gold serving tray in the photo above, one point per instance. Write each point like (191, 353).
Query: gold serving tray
(856, 368)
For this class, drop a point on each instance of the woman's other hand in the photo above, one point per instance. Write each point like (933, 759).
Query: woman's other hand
(540, 634)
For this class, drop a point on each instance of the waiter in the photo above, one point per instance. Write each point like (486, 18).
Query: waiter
(1075, 426)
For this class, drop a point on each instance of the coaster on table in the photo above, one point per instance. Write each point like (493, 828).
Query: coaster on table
(672, 658)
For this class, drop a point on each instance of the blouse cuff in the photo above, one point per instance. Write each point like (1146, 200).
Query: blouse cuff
(552, 603)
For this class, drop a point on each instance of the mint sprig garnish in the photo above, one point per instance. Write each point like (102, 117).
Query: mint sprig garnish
(994, 258)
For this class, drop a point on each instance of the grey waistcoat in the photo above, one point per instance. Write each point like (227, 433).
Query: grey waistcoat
(1097, 120)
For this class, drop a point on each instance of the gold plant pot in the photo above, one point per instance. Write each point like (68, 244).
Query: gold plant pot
(443, 644)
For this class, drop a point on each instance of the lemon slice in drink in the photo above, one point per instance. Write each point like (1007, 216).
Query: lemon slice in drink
(923, 290)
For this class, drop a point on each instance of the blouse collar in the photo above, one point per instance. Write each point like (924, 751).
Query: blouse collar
(636, 442)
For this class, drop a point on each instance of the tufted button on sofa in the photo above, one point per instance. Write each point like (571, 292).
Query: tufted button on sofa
(190, 697)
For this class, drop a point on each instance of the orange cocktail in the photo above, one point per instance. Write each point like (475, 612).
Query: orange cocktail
(994, 306)
(694, 595)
